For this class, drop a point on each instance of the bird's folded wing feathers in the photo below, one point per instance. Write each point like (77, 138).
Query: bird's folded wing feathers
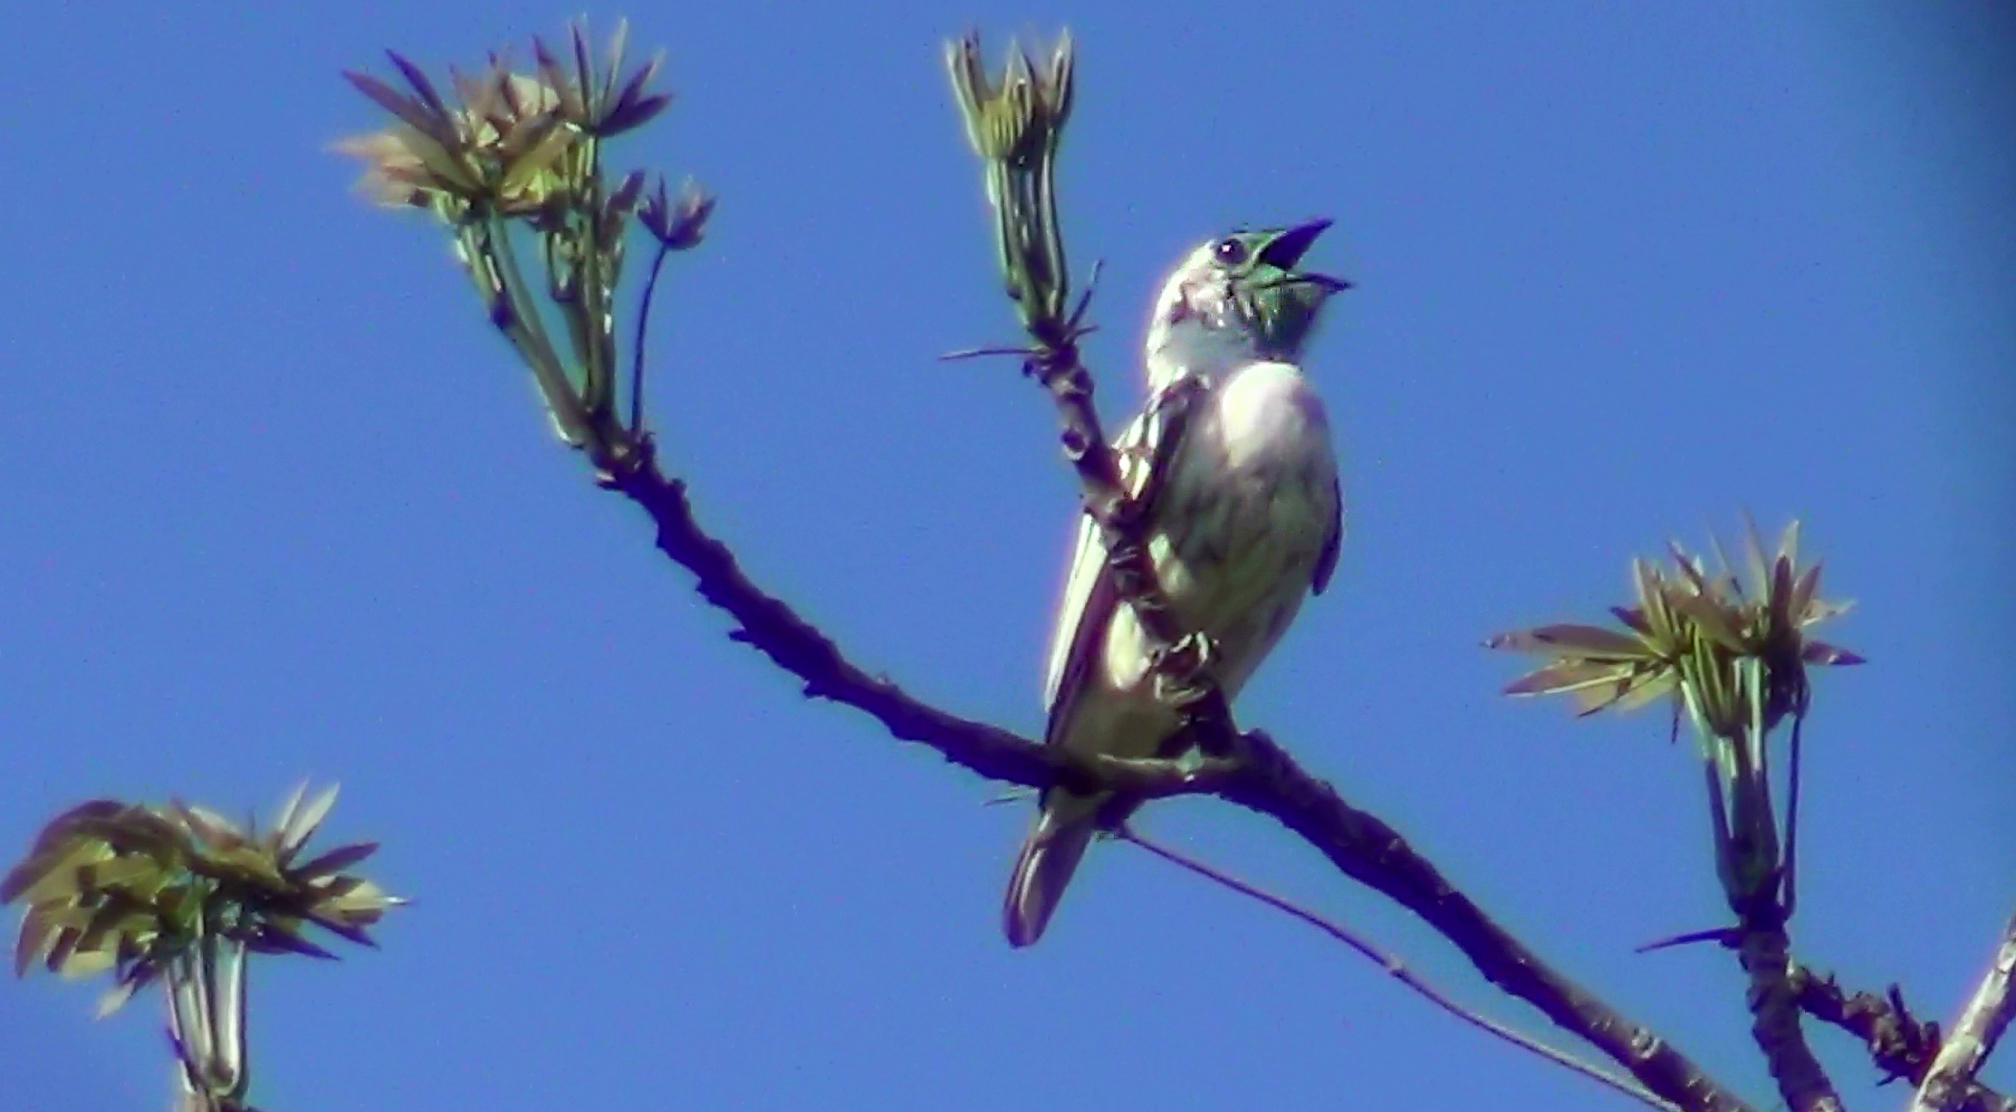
(1333, 541)
(1078, 643)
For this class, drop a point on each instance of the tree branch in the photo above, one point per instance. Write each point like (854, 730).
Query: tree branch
(1261, 777)
(1015, 127)
(1764, 950)
(1364, 848)
(1126, 518)
(1974, 1036)
(1898, 1042)
(769, 625)
(1395, 968)
(477, 178)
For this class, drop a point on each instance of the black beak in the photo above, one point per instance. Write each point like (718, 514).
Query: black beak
(1286, 250)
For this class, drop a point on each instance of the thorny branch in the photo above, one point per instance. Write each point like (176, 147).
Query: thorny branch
(1267, 780)
(1015, 127)
(1765, 953)
(1735, 658)
(1975, 1034)
(1899, 1043)
(1394, 968)
(527, 150)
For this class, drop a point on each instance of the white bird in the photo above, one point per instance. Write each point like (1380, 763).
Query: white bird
(1248, 520)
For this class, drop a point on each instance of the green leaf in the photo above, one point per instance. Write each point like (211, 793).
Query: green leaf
(302, 824)
(115, 998)
(335, 861)
(1820, 652)
(1568, 675)
(1593, 642)
(1712, 618)
(282, 936)
(38, 933)
(54, 872)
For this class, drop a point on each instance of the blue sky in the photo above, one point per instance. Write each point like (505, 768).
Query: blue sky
(281, 507)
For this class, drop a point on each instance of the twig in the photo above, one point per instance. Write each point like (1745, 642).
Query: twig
(1974, 1036)
(1749, 866)
(1258, 775)
(1721, 936)
(1897, 1041)
(1126, 520)
(1764, 950)
(1396, 968)
(1264, 779)
(769, 625)
(637, 344)
(1363, 847)
(1015, 126)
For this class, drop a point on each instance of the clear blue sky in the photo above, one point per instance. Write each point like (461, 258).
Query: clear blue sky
(280, 506)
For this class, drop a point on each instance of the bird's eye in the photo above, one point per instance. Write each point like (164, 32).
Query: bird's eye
(1229, 251)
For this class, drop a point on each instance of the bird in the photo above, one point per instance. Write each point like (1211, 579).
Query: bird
(1248, 521)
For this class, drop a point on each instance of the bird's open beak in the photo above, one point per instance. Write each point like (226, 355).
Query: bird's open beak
(1286, 250)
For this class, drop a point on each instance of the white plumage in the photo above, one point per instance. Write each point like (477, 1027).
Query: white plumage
(1247, 523)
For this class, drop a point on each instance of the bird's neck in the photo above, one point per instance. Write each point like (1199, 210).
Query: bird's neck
(1188, 347)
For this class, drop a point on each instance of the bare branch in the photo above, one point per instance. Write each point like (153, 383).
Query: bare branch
(774, 629)
(1014, 126)
(1735, 659)
(1261, 777)
(1974, 1036)
(1017, 134)
(1765, 953)
(1398, 969)
(1898, 1042)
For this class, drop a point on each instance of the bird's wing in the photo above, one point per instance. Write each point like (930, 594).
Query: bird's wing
(1082, 618)
(1078, 643)
(1333, 541)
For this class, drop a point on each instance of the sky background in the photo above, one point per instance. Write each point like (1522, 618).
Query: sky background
(281, 506)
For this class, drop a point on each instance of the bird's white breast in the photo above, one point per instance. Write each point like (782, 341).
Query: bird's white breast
(1266, 415)
(1246, 512)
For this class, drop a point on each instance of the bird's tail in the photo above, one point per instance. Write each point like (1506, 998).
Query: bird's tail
(1049, 856)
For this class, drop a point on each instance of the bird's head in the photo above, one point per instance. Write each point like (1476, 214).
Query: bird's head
(1236, 299)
